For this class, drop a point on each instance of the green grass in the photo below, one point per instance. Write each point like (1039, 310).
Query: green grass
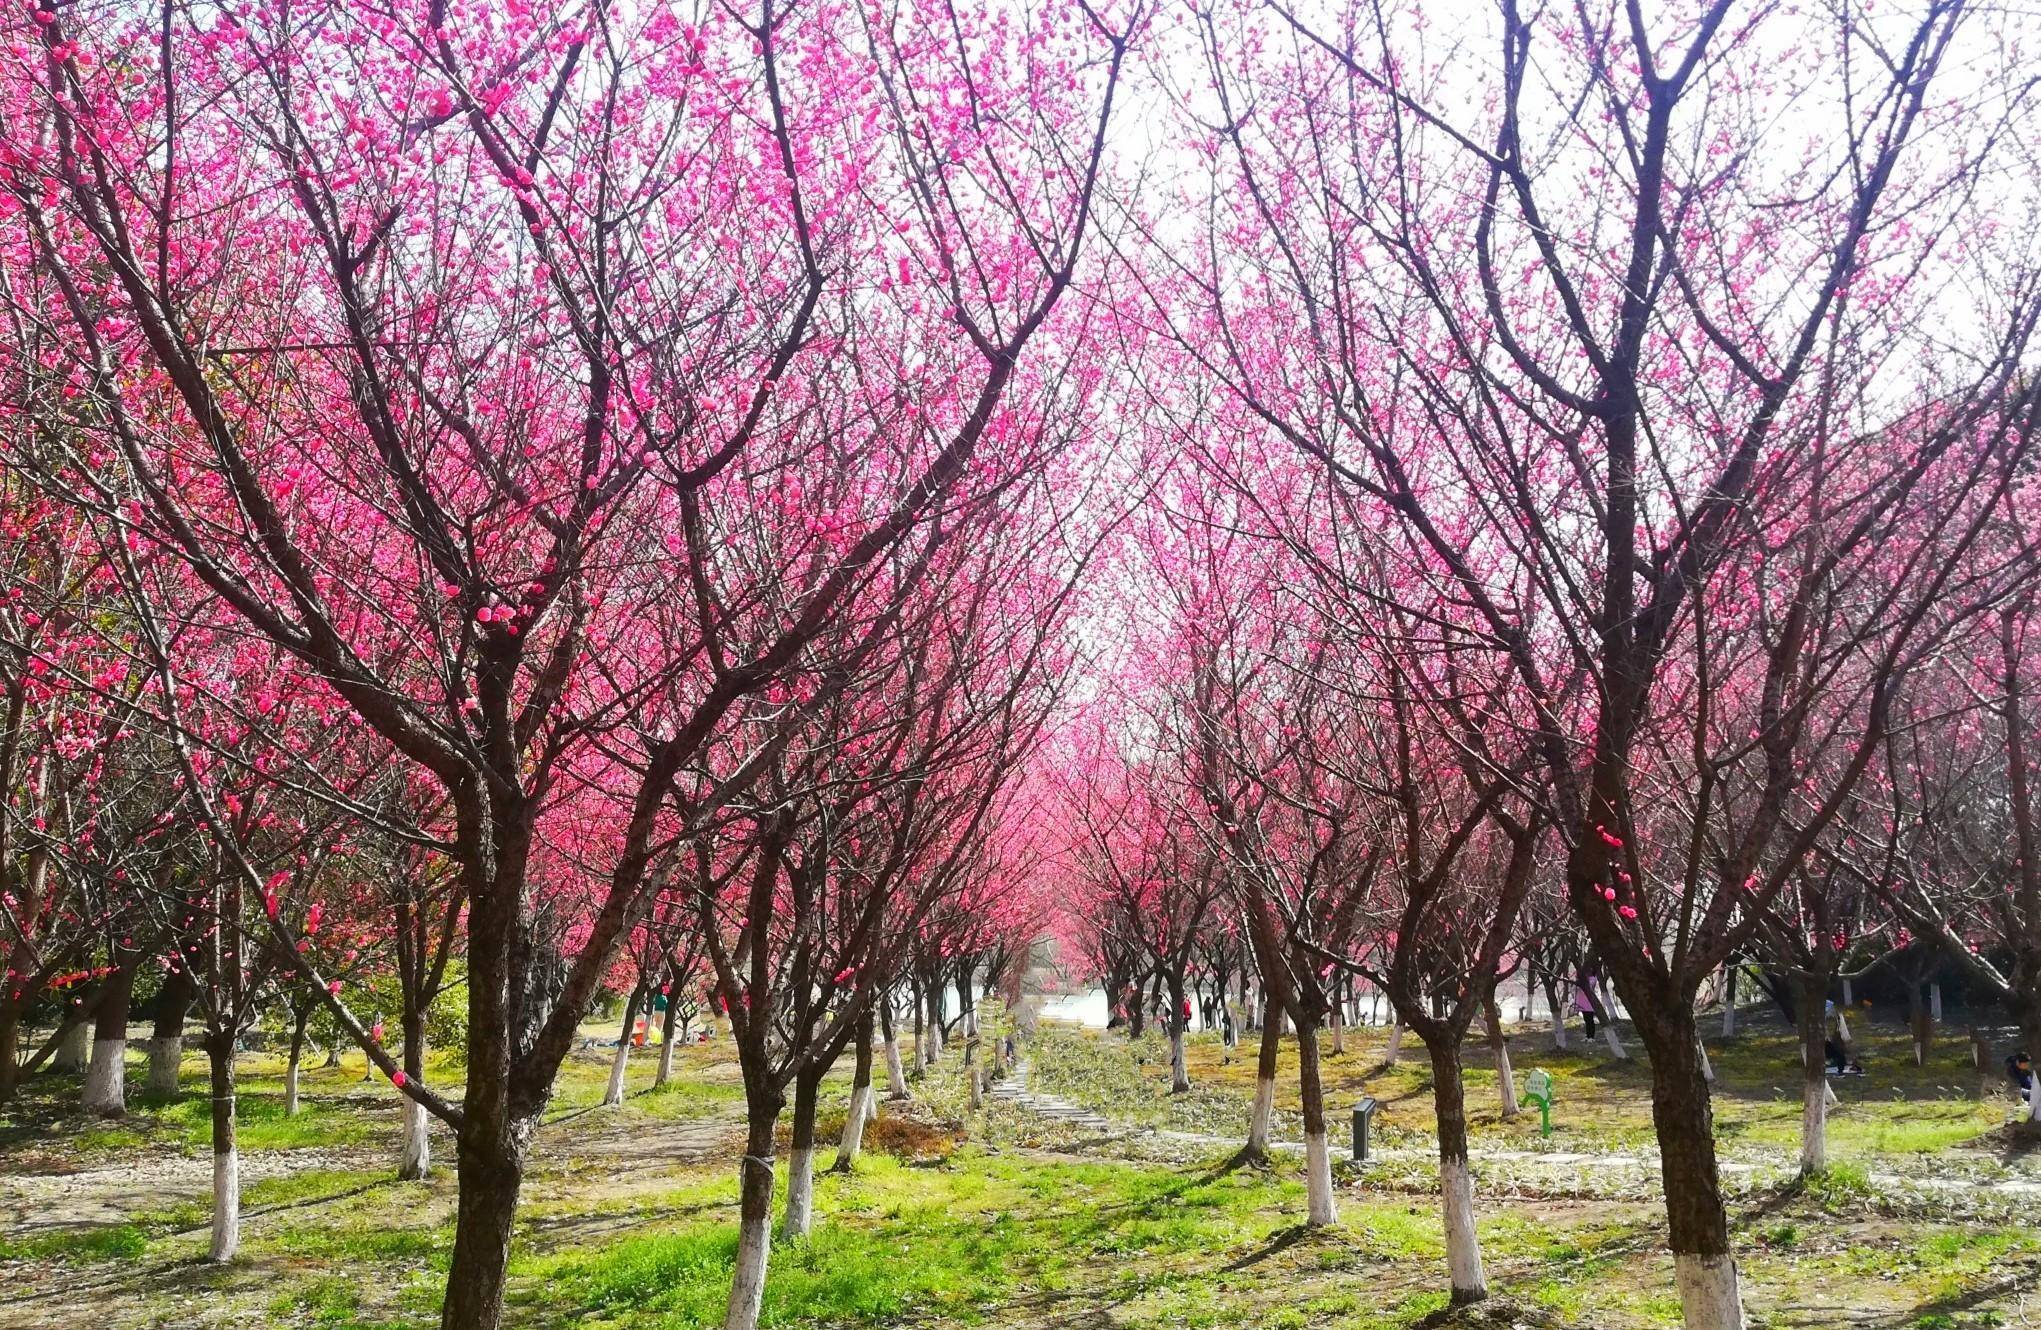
(977, 1225)
(1899, 1114)
(115, 1242)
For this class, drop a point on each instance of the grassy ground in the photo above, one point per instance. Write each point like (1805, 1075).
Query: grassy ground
(1897, 1116)
(956, 1218)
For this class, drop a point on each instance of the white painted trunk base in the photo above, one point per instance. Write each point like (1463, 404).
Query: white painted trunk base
(800, 1216)
(1463, 1248)
(1614, 1041)
(1318, 1181)
(165, 1057)
(1395, 1049)
(1559, 1031)
(1707, 1067)
(1264, 1109)
(1708, 1292)
(747, 1279)
(861, 1108)
(106, 1079)
(2034, 1098)
(1728, 1018)
(977, 1087)
(1179, 1068)
(1506, 1080)
(414, 1156)
(896, 1075)
(613, 1093)
(666, 1060)
(226, 1206)
(1935, 1001)
(1814, 1099)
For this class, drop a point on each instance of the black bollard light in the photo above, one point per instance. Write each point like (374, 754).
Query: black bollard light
(1364, 1113)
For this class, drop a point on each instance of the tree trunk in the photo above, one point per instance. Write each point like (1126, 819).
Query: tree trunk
(292, 1062)
(1456, 1181)
(1394, 1050)
(1338, 1017)
(665, 1072)
(414, 1155)
(1505, 1076)
(1557, 1015)
(860, 1100)
(226, 1154)
(754, 1222)
(106, 1079)
(1697, 1224)
(1179, 1066)
(1813, 1076)
(166, 1050)
(1729, 1002)
(1607, 998)
(1264, 1093)
(10, 1051)
(896, 1075)
(799, 1218)
(1917, 1022)
(1320, 1209)
(613, 1094)
(71, 1053)
(489, 1161)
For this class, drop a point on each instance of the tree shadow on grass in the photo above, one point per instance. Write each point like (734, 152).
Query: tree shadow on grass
(2026, 1278)
(1278, 1242)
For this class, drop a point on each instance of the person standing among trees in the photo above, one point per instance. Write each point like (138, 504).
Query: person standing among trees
(1584, 1001)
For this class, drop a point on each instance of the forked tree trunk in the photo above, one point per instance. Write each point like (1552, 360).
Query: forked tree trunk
(226, 1239)
(1456, 1181)
(613, 1093)
(106, 1079)
(1264, 1093)
(1320, 1209)
(754, 1220)
(861, 1101)
(799, 1218)
(1697, 1223)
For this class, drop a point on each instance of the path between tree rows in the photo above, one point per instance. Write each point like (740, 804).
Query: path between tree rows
(124, 1189)
(1014, 1090)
